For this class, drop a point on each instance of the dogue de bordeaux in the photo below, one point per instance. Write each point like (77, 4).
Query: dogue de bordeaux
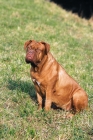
(51, 81)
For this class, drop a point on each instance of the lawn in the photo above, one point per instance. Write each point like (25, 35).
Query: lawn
(71, 41)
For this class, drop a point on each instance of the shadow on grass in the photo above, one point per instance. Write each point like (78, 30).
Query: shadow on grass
(22, 86)
(28, 88)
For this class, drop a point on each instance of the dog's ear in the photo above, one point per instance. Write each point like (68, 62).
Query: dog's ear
(27, 43)
(47, 47)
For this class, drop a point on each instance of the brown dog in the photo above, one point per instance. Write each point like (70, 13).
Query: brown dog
(51, 81)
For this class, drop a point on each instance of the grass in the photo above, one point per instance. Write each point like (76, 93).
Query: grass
(71, 40)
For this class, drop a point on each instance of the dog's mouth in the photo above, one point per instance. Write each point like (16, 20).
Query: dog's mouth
(30, 56)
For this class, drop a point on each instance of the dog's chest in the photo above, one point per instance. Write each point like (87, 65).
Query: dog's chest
(37, 82)
(39, 86)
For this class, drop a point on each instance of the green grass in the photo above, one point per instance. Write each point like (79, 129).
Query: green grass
(71, 40)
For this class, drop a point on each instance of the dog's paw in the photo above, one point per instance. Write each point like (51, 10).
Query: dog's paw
(40, 107)
(69, 116)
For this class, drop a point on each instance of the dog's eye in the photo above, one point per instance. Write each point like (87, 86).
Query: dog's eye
(38, 50)
(28, 48)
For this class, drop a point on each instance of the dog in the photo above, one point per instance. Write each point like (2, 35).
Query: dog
(51, 81)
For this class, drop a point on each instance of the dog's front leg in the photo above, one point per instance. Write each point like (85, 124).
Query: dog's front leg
(48, 100)
(49, 92)
(39, 99)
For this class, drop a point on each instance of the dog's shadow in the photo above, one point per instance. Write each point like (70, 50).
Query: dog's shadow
(22, 86)
(27, 88)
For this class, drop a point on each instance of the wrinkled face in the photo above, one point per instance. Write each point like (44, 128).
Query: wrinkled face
(35, 51)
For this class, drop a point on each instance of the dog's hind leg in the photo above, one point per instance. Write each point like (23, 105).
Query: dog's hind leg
(80, 101)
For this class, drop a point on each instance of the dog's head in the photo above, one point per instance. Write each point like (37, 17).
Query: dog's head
(35, 51)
